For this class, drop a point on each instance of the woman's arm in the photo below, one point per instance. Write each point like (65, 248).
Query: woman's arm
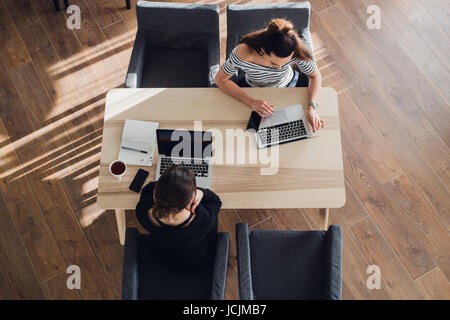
(223, 81)
(211, 201)
(148, 189)
(315, 84)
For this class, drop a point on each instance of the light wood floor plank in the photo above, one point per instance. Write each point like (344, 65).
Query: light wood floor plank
(408, 38)
(12, 51)
(431, 33)
(56, 288)
(440, 11)
(21, 11)
(437, 153)
(403, 238)
(18, 278)
(28, 217)
(394, 280)
(422, 219)
(105, 11)
(64, 225)
(434, 285)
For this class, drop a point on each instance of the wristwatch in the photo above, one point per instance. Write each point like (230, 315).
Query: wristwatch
(315, 105)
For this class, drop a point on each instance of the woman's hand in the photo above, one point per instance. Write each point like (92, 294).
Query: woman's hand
(198, 198)
(263, 108)
(314, 119)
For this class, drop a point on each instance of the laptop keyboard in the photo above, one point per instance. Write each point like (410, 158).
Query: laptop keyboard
(286, 131)
(198, 167)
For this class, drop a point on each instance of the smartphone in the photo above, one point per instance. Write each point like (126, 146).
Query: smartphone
(138, 180)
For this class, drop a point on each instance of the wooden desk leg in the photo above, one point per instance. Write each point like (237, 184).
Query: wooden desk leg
(121, 224)
(324, 217)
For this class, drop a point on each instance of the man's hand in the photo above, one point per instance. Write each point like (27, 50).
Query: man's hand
(314, 119)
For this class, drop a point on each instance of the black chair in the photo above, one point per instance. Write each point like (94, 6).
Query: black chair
(145, 278)
(57, 7)
(177, 45)
(66, 4)
(243, 19)
(300, 265)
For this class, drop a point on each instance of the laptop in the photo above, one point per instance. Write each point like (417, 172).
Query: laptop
(282, 126)
(191, 149)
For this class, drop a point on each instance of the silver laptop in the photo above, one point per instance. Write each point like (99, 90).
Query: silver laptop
(191, 149)
(283, 125)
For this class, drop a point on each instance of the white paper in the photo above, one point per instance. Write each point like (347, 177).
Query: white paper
(139, 135)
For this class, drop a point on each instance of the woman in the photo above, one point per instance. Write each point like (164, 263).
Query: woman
(266, 57)
(181, 218)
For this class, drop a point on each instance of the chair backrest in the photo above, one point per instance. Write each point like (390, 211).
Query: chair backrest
(287, 264)
(243, 19)
(178, 25)
(145, 277)
(158, 281)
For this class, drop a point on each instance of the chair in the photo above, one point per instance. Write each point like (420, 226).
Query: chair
(145, 278)
(177, 45)
(66, 4)
(300, 265)
(243, 19)
(57, 7)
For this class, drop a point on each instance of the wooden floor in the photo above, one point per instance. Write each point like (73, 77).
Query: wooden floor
(394, 95)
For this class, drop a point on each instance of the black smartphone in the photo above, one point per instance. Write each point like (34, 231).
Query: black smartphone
(138, 180)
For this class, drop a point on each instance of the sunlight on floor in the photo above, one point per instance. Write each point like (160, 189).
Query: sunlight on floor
(70, 155)
(139, 96)
(91, 54)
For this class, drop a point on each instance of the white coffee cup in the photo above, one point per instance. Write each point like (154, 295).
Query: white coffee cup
(118, 168)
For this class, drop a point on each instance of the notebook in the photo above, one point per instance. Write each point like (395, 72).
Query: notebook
(138, 142)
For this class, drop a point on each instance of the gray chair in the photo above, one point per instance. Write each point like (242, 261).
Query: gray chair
(66, 4)
(176, 45)
(285, 265)
(144, 278)
(243, 19)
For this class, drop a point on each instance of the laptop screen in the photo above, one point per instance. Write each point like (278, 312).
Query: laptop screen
(184, 143)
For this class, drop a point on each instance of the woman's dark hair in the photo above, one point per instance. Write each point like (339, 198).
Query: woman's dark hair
(173, 191)
(280, 38)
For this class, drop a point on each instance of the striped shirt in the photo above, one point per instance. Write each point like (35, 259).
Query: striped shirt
(261, 76)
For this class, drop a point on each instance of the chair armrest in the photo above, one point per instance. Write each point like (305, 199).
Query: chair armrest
(306, 35)
(130, 273)
(137, 60)
(334, 266)
(213, 69)
(213, 60)
(219, 277)
(243, 260)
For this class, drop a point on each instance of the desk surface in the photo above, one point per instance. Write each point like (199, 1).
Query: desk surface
(310, 172)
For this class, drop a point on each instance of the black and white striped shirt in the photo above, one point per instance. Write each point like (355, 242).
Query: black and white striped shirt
(261, 76)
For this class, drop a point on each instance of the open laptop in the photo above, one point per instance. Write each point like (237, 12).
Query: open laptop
(191, 149)
(283, 125)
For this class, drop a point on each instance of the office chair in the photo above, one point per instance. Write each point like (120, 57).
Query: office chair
(145, 278)
(66, 4)
(177, 45)
(289, 265)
